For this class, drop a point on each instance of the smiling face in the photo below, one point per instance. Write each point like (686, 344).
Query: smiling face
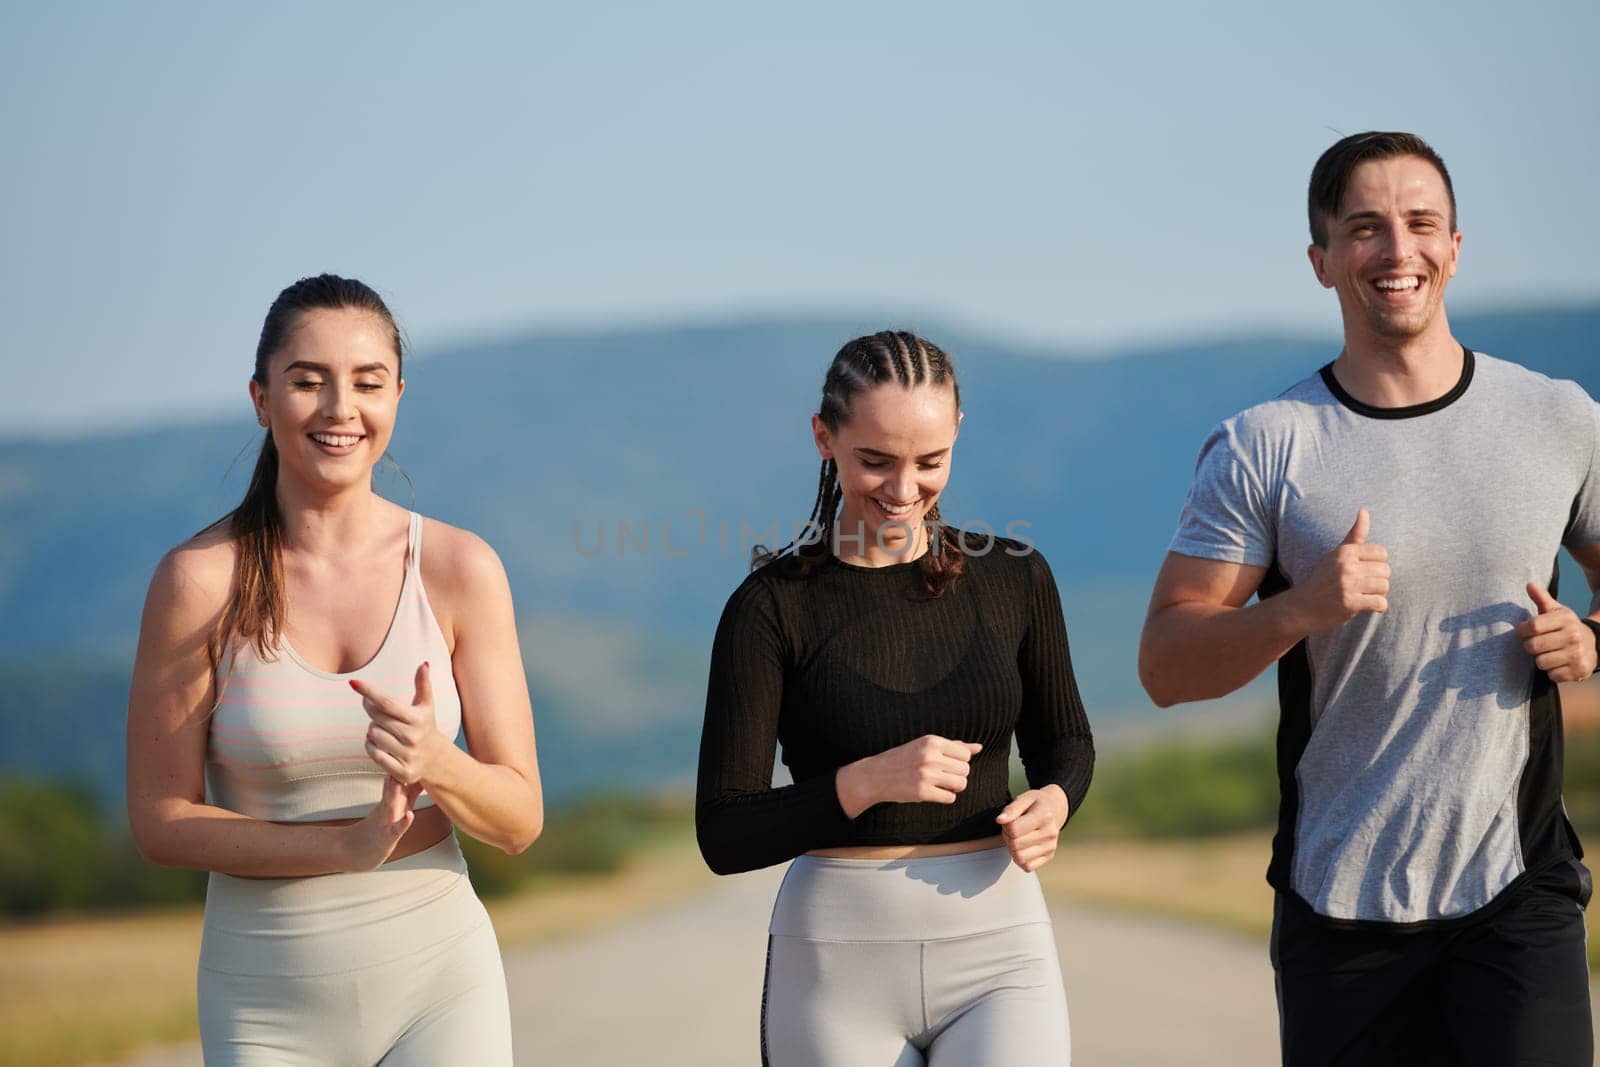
(893, 456)
(330, 398)
(1391, 250)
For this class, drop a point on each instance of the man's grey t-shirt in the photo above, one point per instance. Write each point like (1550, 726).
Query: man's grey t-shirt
(1420, 749)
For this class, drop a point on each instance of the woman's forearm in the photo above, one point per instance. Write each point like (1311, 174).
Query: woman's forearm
(182, 833)
(491, 802)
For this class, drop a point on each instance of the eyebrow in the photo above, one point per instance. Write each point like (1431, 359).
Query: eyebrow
(323, 368)
(887, 455)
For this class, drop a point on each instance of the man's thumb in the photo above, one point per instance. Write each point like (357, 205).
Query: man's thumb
(1542, 598)
(1358, 532)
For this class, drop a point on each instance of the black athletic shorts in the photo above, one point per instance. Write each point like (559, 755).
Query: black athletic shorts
(1507, 987)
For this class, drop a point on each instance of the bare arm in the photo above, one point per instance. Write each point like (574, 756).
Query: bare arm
(168, 718)
(1201, 641)
(492, 791)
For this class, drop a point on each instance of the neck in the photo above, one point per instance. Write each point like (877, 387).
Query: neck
(854, 541)
(342, 523)
(1389, 372)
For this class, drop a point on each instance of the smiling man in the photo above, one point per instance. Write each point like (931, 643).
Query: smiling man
(1399, 514)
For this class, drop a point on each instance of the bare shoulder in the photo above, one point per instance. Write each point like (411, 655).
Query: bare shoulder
(458, 562)
(193, 580)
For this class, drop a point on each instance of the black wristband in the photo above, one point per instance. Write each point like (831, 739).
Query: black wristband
(1594, 628)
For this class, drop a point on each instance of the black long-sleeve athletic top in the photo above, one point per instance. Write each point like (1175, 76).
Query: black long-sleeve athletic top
(850, 661)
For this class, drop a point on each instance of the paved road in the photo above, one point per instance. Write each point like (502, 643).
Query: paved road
(1139, 991)
(682, 988)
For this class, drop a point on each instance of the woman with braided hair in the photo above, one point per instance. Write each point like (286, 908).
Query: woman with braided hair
(894, 658)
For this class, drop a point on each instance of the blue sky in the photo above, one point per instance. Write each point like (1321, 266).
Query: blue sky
(1087, 178)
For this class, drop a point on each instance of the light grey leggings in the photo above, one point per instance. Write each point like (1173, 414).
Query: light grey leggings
(944, 962)
(397, 966)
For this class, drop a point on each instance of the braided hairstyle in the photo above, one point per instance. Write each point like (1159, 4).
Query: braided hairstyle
(892, 356)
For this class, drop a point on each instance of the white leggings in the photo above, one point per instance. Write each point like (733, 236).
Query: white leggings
(943, 962)
(397, 966)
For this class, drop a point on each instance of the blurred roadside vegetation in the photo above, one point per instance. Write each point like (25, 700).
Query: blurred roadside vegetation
(1200, 788)
(595, 836)
(61, 852)
(1183, 788)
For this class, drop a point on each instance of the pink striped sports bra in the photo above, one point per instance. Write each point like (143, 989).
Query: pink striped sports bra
(287, 740)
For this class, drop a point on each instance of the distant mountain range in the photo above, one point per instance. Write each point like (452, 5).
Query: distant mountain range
(615, 474)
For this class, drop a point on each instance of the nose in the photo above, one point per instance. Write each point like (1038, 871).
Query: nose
(1399, 241)
(339, 402)
(901, 486)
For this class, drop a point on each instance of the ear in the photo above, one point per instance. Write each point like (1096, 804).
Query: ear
(821, 436)
(1455, 252)
(400, 389)
(1317, 254)
(258, 400)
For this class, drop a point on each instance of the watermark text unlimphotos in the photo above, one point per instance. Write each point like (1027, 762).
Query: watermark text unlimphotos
(692, 530)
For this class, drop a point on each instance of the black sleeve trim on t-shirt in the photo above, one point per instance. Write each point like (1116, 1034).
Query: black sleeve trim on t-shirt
(1410, 411)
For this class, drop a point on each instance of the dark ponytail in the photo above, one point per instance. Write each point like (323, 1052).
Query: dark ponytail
(255, 608)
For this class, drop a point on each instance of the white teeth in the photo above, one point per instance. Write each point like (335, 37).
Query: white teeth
(1396, 284)
(892, 509)
(335, 440)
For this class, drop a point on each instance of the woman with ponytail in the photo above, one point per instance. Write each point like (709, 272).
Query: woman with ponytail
(302, 671)
(893, 658)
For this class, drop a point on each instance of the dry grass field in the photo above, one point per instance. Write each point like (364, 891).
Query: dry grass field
(1219, 881)
(75, 990)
